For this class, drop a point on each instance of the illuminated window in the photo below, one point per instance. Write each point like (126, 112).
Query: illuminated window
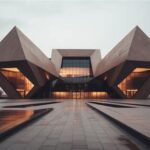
(79, 95)
(74, 72)
(47, 75)
(21, 83)
(95, 95)
(134, 81)
(77, 69)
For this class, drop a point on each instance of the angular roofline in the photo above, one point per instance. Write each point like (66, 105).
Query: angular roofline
(24, 49)
(124, 51)
(58, 54)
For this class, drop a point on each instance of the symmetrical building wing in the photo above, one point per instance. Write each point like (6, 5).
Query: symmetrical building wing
(126, 68)
(24, 69)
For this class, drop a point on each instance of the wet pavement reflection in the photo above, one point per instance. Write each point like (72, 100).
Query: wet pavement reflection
(71, 126)
(11, 119)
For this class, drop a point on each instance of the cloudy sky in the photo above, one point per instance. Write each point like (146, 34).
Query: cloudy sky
(99, 24)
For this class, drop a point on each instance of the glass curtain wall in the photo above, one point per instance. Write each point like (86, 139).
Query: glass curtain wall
(21, 83)
(80, 95)
(134, 81)
(76, 69)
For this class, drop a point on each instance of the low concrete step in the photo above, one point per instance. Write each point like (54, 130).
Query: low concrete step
(115, 115)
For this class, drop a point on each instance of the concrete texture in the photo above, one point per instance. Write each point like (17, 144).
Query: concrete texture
(136, 117)
(71, 126)
(58, 54)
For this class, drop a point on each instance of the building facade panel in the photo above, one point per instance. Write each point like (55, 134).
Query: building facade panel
(25, 72)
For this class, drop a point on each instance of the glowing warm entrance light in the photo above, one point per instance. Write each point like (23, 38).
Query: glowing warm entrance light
(76, 68)
(74, 72)
(20, 82)
(134, 81)
(79, 95)
(99, 95)
(77, 71)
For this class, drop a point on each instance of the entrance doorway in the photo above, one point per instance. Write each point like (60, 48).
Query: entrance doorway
(79, 95)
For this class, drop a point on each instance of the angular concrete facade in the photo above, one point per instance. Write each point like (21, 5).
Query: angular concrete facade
(132, 52)
(25, 72)
(93, 54)
(17, 51)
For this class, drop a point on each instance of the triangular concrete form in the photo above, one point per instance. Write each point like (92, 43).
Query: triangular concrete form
(17, 46)
(134, 46)
(34, 54)
(11, 48)
(140, 47)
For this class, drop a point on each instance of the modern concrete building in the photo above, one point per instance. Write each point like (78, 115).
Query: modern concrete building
(25, 72)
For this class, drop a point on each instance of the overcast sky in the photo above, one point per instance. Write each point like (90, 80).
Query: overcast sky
(74, 23)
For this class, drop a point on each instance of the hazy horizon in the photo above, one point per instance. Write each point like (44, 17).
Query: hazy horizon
(84, 24)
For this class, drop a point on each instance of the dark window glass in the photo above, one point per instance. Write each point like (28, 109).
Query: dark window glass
(76, 69)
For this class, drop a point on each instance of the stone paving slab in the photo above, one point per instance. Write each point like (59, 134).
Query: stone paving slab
(72, 126)
(136, 118)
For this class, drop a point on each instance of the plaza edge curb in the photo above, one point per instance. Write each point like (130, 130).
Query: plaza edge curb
(133, 132)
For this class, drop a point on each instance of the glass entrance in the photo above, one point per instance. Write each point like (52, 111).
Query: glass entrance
(79, 95)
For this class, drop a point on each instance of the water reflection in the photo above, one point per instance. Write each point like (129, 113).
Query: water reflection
(10, 119)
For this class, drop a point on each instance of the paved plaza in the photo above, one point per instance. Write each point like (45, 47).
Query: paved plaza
(72, 125)
(133, 115)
